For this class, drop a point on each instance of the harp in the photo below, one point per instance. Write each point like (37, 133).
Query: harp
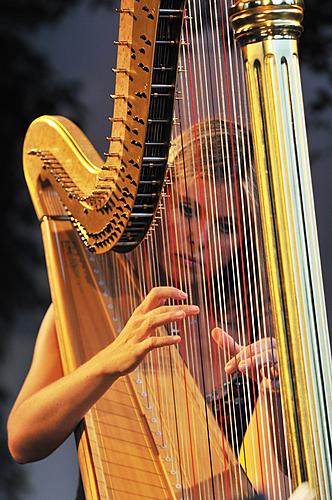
(113, 228)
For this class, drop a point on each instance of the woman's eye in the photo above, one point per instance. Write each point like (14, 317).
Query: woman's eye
(186, 209)
(226, 226)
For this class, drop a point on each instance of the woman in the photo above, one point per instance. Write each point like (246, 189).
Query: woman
(204, 256)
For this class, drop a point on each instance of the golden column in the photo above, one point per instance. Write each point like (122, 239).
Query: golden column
(267, 31)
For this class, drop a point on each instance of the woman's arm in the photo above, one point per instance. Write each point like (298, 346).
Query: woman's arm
(50, 405)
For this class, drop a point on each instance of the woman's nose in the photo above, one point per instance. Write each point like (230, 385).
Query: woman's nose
(197, 237)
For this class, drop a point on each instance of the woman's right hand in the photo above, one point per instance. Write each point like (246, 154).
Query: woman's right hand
(50, 405)
(139, 335)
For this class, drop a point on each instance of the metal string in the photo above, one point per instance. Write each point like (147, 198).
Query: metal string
(197, 74)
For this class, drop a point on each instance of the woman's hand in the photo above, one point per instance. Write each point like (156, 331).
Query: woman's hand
(138, 336)
(258, 360)
(50, 405)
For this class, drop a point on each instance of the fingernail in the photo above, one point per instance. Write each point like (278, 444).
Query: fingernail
(228, 367)
(215, 335)
(180, 314)
(194, 309)
(183, 295)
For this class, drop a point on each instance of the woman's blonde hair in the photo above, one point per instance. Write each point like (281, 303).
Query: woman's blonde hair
(216, 143)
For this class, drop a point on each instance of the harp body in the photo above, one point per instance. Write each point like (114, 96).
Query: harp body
(128, 447)
(120, 446)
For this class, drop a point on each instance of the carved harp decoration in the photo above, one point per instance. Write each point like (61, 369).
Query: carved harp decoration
(241, 241)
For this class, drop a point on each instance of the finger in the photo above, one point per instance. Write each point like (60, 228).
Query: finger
(274, 370)
(159, 295)
(271, 385)
(270, 370)
(255, 349)
(251, 352)
(225, 341)
(187, 308)
(172, 314)
(243, 355)
(231, 366)
(157, 342)
(259, 361)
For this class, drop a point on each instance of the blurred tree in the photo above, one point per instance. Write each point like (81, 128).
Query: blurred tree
(29, 87)
(315, 47)
(317, 37)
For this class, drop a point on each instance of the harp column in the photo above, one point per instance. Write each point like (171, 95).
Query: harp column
(267, 31)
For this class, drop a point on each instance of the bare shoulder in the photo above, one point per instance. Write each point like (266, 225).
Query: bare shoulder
(46, 363)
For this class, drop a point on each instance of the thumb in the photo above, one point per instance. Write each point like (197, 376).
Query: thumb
(225, 341)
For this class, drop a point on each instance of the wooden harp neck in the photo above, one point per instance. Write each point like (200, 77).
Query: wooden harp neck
(112, 202)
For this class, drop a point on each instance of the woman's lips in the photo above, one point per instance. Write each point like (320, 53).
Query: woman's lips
(187, 259)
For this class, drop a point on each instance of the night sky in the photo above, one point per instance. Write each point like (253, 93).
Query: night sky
(81, 48)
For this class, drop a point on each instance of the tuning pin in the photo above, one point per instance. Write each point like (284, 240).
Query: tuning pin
(123, 71)
(116, 119)
(114, 96)
(112, 155)
(120, 70)
(126, 11)
(122, 43)
(34, 152)
(114, 139)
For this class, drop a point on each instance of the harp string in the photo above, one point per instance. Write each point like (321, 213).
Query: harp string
(251, 301)
(158, 358)
(144, 367)
(248, 304)
(196, 104)
(176, 275)
(154, 355)
(222, 313)
(169, 395)
(204, 291)
(151, 258)
(181, 250)
(229, 91)
(93, 419)
(211, 169)
(201, 206)
(175, 270)
(163, 361)
(230, 216)
(231, 95)
(196, 188)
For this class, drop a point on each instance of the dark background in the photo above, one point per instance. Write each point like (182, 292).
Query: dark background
(57, 59)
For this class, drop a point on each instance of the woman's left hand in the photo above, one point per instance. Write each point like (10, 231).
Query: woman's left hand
(258, 360)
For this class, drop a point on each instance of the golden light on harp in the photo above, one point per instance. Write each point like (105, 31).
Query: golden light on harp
(206, 187)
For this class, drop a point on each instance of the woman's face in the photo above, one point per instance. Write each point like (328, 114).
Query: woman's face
(202, 230)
